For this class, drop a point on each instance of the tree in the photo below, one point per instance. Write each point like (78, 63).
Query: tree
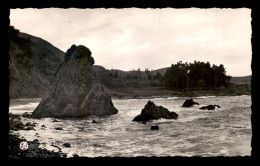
(158, 76)
(116, 74)
(200, 76)
(149, 76)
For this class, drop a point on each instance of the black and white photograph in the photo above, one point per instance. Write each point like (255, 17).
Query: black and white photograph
(130, 82)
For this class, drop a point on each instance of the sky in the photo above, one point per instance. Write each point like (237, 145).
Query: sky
(133, 38)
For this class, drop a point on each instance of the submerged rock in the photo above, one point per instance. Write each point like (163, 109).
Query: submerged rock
(29, 124)
(151, 112)
(26, 115)
(29, 128)
(66, 145)
(55, 120)
(94, 121)
(75, 91)
(75, 155)
(209, 107)
(58, 128)
(189, 103)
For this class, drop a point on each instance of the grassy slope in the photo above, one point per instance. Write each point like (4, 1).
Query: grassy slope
(241, 80)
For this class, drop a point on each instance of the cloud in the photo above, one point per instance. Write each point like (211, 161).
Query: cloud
(147, 38)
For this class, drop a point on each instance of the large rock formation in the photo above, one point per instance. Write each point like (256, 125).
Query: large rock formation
(75, 91)
(153, 112)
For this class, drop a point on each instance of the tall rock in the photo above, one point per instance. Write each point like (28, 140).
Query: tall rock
(75, 91)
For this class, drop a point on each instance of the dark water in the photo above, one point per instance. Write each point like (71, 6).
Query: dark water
(225, 131)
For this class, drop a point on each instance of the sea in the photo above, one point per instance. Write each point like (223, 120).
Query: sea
(225, 131)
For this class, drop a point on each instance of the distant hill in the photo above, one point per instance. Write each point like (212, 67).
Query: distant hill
(241, 80)
(161, 71)
(121, 73)
(33, 64)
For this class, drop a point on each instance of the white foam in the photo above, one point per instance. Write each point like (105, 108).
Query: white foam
(20, 109)
(173, 98)
(204, 97)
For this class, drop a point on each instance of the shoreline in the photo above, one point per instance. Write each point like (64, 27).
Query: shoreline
(151, 92)
(34, 149)
(161, 92)
(154, 97)
(148, 97)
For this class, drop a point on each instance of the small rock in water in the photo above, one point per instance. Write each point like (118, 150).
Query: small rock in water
(29, 128)
(75, 155)
(55, 120)
(93, 121)
(58, 128)
(155, 127)
(209, 107)
(29, 124)
(143, 122)
(26, 115)
(19, 126)
(64, 155)
(189, 103)
(66, 145)
(43, 126)
(36, 141)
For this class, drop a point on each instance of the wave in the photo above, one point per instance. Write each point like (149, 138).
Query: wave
(204, 97)
(173, 98)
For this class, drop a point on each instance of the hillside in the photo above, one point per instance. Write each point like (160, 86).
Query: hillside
(241, 80)
(33, 65)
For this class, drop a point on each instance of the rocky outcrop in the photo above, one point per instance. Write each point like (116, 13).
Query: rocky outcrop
(189, 103)
(75, 91)
(33, 151)
(153, 112)
(209, 107)
(16, 124)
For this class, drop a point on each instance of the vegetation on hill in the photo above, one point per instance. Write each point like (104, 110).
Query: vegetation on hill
(197, 75)
(148, 83)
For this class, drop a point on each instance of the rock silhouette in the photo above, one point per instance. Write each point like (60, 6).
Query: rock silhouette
(151, 112)
(155, 127)
(33, 151)
(94, 121)
(189, 103)
(209, 107)
(66, 145)
(75, 91)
